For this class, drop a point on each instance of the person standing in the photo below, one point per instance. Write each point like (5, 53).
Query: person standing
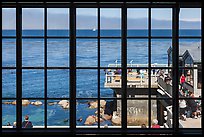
(26, 123)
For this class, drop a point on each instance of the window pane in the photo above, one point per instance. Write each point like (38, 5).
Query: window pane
(137, 113)
(161, 113)
(164, 83)
(190, 113)
(110, 52)
(58, 114)
(137, 83)
(110, 21)
(159, 51)
(161, 22)
(34, 109)
(58, 22)
(189, 52)
(190, 22)
(86, 22)
(107, 84)
(8, 113)
(33, 21)
(137, 22)
(58, 83)
(58, 52)
(8, 52)
(137, 52)
(33, 83)
(9, 83)
(8, 22)
(86, 83)
(33, 53)
(86, 53)
(85, 113)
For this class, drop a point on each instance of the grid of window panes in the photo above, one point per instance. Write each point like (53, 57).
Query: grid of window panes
(85, 65)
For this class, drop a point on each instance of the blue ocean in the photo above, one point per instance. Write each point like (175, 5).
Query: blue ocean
(86, 79)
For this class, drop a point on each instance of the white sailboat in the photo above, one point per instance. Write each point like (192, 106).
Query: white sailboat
(94, 29)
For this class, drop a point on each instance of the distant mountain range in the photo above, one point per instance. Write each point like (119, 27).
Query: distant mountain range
(34, 20)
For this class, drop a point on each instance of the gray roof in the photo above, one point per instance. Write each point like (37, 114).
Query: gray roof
(194, 50)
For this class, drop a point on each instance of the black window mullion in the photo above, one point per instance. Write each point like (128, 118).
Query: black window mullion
(45, 65)
(175, 67)
(149, 66)
(72, 68)
(1, 68)
(19, 65)
(124, 67)
(98, 15)
(202, 91)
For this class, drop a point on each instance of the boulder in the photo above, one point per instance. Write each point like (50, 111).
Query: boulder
(93, 104)
(90, 120)
(6, 102)
(63, 102)
(25, 102)
(102, 103)
(52, 103)
(37, 103)
(65, 106)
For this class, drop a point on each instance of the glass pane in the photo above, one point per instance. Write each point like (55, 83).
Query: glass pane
(161, 113)
(86, 113)
(137, 113)
(161, 56)
(33, 111)
(110, 21)
(86, 83)
(190, 113)
(190, 82)
(8, 83)
(8, 114)
(163, 80)
(137, 22)
(33, 21)
(33, 53)
(161, 21)
(107, 88)
(8, 52)
(189, 52)
(58, 52)
(110, 52)
(58, 114)
(86, 53)
(138, 83)
(33, 83)
(58, 83)
(137, 52)
(86, 22)
(58, 22)
(110, 114)
(8, 22)
(190, 22)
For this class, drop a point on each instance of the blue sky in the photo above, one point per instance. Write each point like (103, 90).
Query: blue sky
(87, 18)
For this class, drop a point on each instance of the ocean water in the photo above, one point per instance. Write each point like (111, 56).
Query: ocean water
(86, 79)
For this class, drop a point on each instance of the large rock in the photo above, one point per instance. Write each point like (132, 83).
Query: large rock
(90, 120)
(52, 103)
(116, 120)
(93, 104)
(64, 104)
(14, 102)
(37, 103)
(25, 102)
(102, 103)
(6, 102)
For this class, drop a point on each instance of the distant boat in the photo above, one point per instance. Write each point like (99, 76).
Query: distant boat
(94, 29)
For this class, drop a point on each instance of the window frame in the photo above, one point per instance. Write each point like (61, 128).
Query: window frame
(72, 66)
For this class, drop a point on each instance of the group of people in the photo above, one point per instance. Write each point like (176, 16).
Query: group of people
(25, 124)
(154, 124)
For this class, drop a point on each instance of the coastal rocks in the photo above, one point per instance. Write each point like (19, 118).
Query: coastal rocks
(90, 120)
(64, 104)
(14, 102)
(25, 102)
(52, 103)
(37, 103)
(94, 104)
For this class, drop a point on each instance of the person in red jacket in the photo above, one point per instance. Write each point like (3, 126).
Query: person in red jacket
(155, 124)
(182, 80)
